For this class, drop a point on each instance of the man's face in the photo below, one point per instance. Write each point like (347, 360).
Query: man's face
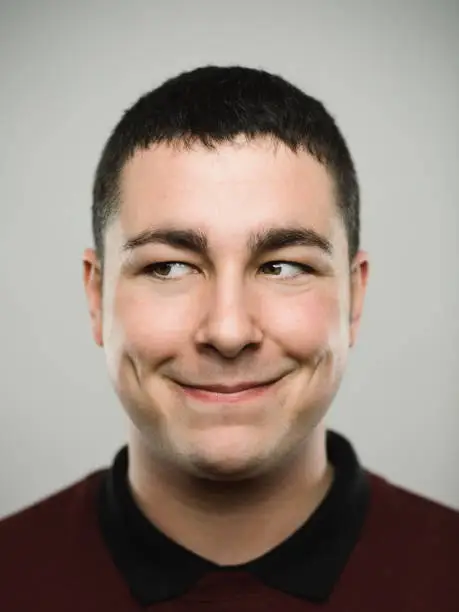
(233, 313)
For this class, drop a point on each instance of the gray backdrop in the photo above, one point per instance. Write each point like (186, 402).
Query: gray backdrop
(389, 72)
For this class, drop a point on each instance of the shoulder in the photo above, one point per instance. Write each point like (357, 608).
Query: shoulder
(52, 548)
(50, 522)
(409, 548)
(402, 510)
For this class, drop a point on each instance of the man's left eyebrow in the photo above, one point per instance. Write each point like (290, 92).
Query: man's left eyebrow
(274, 239)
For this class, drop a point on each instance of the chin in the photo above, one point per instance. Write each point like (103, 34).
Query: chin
(225, 469)
(230, 459)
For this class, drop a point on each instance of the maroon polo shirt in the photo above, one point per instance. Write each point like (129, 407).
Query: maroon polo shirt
(369, 546)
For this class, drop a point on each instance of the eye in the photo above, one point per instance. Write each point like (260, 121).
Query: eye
(287, 269)
(168, 270)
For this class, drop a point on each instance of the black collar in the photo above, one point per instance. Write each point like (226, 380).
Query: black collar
(306, 565)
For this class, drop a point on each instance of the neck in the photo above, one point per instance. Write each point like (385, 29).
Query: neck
(231, 523)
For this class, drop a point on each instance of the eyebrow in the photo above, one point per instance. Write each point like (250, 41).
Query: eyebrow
(259, 243)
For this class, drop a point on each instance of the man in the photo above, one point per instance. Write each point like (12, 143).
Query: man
(226, 286)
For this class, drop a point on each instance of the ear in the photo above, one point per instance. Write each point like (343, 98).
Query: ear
(92, 278)
(358, 286)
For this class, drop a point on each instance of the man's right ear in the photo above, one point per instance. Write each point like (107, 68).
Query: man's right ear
(92, 278)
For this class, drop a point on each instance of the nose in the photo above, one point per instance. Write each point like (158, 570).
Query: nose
(229, 323)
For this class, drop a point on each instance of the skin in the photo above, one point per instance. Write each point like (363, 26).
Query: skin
(225, 317)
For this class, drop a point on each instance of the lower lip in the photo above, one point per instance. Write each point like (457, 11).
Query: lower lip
(227, 398)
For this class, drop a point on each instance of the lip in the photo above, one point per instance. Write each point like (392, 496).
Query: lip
(228, 393)
(244, 386)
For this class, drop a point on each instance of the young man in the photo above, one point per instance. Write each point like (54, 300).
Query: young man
(226, 287)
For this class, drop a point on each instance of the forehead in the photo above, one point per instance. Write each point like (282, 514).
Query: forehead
(229, 191)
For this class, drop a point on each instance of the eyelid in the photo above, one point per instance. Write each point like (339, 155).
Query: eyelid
(289, 262)
(153, 265)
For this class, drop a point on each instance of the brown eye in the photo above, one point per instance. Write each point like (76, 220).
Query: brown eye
(286, 269)
(167, 270)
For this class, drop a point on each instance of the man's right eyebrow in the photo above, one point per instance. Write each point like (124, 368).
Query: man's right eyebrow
(183, 239)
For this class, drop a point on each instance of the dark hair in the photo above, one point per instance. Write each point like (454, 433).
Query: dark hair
(215, 104)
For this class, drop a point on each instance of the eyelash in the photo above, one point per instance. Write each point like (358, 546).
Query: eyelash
(150, 269)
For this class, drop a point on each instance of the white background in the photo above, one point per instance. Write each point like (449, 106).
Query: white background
(388, 72)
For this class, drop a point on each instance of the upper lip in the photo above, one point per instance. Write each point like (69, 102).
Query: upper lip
(243, 386)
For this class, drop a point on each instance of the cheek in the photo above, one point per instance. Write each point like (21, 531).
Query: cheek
(148, 326)
(309, 324)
